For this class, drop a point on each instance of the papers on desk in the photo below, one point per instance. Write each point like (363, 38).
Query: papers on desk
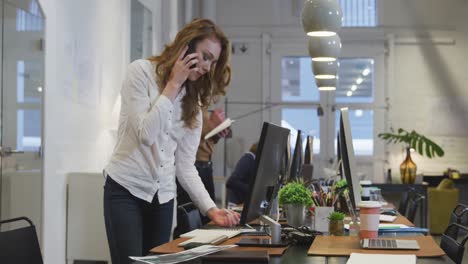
(182, 256)
(212, 239)
(212, 233)
(387, 218)
(358, 258)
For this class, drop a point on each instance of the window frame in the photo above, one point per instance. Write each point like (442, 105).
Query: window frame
(358, 47)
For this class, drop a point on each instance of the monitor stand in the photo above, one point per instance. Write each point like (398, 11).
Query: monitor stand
(274, 241)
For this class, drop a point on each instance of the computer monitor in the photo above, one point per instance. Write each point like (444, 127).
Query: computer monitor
(348, 164)
(295, 173)
(263, 187)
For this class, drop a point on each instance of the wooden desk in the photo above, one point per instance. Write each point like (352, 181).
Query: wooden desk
(296, 254)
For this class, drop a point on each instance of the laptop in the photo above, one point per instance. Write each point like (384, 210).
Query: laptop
(378, 243)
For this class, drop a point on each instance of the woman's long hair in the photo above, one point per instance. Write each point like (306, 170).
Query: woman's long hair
(207, 89)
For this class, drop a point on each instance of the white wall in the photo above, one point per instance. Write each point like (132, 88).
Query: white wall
(429, 89)
(428, 79)
(86, 54)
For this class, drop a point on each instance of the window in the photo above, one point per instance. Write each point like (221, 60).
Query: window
(298, 86)
(302, 99)
(359, 13)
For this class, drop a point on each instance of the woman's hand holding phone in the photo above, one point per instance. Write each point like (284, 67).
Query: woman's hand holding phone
(180, 72)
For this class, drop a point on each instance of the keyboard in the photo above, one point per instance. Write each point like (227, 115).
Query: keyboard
(382, 243)
(375, 243)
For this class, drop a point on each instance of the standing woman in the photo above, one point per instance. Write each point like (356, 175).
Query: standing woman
(159, 132)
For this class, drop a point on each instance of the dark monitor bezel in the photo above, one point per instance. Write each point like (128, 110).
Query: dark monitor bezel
(246, 215)
(348, 163)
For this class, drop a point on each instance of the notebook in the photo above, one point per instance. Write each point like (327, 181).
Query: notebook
(206, 240)
(211, 233)
(225, 124)
(377, 243)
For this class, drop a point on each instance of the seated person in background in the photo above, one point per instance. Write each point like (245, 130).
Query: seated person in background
(238, 183)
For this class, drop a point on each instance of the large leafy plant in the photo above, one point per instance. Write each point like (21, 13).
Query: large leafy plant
(295, 193)
(414, 140)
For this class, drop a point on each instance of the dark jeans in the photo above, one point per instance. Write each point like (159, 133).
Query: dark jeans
(206, 175)
(134, 226)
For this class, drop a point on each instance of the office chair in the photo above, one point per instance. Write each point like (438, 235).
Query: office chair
(404, 200)
(188, 219)
(451, 244)
(20, 246)
(460, 215)
(414, 203)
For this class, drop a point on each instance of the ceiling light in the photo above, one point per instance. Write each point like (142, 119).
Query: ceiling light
(349, 93)
(39, 89)
(325, 69)
(324, 48)
(358, 113)
(326, 84)
(359, 80)
(353, 87)
(366, 71)
(327, 88)
(321, 18)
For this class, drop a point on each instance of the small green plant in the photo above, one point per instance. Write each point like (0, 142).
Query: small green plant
(295, 193)
(336, 216)
(414, 140)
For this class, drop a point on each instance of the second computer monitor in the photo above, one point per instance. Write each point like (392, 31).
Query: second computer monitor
(264, 185)
(348, 163)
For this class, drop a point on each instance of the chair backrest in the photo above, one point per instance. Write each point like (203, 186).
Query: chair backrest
(405, 196)
(188, 219)
(20, 246)
(460, 214)
(414, 203)
(452, 244)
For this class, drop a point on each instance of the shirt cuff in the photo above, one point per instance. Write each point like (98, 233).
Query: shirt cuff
(204, 208)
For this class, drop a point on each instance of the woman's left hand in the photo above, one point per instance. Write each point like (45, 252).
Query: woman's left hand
(223, 217)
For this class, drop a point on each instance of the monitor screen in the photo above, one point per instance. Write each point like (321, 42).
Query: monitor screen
(348, 164)
(264, 186)
(296, 163)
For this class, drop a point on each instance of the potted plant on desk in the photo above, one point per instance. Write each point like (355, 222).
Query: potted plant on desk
(416, 141)
(295, 197)
(336, 224)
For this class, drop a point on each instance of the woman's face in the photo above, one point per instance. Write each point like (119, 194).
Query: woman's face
(208, 51)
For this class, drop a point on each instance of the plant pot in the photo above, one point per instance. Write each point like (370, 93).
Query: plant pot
(408, 169)
(336, 228)
(294, 214)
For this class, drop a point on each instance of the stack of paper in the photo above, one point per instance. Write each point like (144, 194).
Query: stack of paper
(358, 258)
(211, 232)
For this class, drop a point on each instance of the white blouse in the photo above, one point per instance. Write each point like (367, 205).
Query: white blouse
(153, 146)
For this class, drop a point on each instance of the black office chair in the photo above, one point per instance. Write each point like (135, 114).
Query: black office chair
(460, 215)
(453, 244)
(415, 202)
(20, 246)
(405, 196)
(188, 219)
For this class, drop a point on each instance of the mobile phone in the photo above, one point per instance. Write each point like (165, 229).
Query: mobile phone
(191, 49)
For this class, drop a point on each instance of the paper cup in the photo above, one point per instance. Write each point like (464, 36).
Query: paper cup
(369, 214)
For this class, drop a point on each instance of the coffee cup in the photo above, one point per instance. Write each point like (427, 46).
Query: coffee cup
(369, 216)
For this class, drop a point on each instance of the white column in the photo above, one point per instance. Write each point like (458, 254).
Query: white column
(209, 9)
(188, 16)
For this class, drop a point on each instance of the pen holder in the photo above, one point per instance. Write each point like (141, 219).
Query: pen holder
(321, 218)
